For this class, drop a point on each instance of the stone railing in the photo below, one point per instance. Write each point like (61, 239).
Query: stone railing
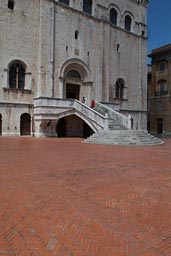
(58, 107)
(112, 114)
(95, 117)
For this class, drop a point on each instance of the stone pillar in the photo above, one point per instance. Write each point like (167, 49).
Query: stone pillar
(40, 53)
(106, 126)
(28, 81)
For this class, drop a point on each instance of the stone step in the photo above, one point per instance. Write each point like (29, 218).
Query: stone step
(124, 137)
(116, 127)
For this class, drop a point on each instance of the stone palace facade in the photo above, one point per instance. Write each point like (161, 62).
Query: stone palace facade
(59, 55)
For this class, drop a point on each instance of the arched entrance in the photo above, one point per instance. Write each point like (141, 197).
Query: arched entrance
(73, 82)
(25, 124)
(73, 126)
(75, 79)
(0, 125)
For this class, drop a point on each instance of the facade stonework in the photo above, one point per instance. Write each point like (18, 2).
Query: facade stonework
(69, 50)
(159, 96)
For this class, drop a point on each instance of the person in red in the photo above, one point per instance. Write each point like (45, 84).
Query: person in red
(92, 104)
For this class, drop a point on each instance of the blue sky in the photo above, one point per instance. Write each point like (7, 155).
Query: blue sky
(159, 23)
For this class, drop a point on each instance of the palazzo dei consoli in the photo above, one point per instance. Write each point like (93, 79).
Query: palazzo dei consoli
(56, 56)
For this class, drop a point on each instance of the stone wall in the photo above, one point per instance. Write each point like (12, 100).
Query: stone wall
(42, 35)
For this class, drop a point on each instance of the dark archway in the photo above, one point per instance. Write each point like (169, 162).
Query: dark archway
(25, 124)
(73, 126)
(61, 127)
(87, 131)
(0, 125)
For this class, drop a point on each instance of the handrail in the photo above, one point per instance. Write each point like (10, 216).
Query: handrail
(92, 114)
(118, 117)
(85, 111)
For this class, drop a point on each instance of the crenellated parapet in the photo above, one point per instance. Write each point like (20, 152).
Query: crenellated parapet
(144, 2)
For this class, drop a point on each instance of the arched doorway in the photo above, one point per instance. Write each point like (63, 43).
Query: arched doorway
(25, 124)
(73, 126)
(73, 81)
(0, 125)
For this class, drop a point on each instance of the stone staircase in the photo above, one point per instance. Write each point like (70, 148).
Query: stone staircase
(112, 125)
(118, 133)
(124, 137)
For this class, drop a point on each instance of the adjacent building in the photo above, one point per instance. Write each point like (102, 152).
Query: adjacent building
(159, 91)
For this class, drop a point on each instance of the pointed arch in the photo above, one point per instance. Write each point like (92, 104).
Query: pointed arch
(119, 88)
(17, 71)
(128, 23)
(72, 125)
(113, 16)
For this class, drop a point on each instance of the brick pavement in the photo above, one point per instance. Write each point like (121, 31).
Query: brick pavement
(62, 197)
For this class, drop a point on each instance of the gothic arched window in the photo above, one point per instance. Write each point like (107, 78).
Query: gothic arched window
(87, 6)
(119, 89)
(17, 75)
(128, 22)
(113, 16)
(11, 4)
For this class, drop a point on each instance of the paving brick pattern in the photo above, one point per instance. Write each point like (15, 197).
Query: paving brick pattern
(62, 197)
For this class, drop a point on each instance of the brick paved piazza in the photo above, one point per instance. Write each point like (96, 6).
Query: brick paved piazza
(62, 197)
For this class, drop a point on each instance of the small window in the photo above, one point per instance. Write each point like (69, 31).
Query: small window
(160, 105)
(119, 89)
(162, 66)
(128, 22)
(76, 34)
(113, 16)
(118, 47)
(17, 75)
(87, 6)
(11, 4)
(66, 2)
(161, 88)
